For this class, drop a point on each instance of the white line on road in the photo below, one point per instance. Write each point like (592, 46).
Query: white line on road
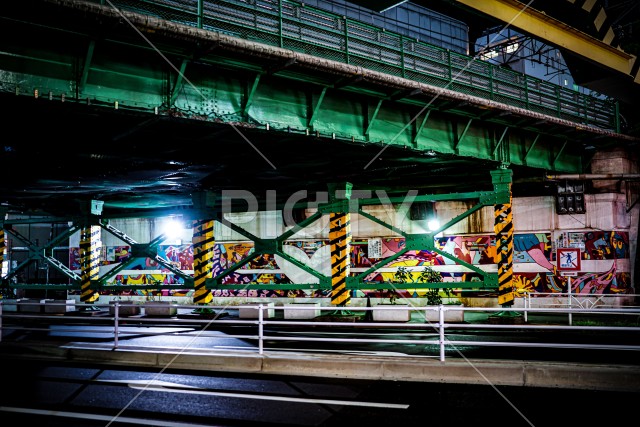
(179, 388)
(86, 416)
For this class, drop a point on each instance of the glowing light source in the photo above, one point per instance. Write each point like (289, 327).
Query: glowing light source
(433, 224)
(173, 229)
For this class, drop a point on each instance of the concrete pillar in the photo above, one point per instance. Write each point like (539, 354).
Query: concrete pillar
(340, 241)
(503, 228)
(203, 245)
(89, 261)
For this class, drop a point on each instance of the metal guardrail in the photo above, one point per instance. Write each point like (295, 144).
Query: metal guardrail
(293, 25)
(16, 316)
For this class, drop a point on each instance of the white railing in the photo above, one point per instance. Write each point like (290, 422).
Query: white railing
(263, 319)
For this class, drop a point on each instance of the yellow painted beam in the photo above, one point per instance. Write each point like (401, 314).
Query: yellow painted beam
(554, 32)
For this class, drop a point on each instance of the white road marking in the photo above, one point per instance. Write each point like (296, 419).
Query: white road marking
(186, 389)
(108, 418)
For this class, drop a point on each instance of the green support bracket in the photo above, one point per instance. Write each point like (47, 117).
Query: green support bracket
(381, 222)
(500, 141)
(304, 223)
(462, 135)
(533, 144)
(299, 264)
(421, 126)
(267, 246)
(114, 271)
(218, 279)
(237, 229)
(87, 66)
(325, 283)
(339, 199)
(459, 261)
(564, 145)
(316, 108)
(171, 267)
(418, 242)
(178, 83)
(250, 94)
(381, 263)
(460, 217)
(370, 121)
(336, 207)
(140, 250)
(501, 180)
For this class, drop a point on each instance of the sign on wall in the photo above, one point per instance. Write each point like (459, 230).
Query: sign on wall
(568, 259)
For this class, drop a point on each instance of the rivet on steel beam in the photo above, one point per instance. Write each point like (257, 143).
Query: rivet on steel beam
(17, 90)
(62, 97)
(267, 126)
(155, 110)
(116, 105)
(333, 135)
(50, 95)
(35, 93)
(307, 132)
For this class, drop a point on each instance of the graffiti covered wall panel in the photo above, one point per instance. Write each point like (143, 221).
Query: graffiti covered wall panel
(534, 259)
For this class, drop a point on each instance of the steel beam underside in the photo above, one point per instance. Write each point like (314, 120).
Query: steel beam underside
(138, 78)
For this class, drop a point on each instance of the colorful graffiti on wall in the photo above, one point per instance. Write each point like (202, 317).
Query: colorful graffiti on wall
(534, 251)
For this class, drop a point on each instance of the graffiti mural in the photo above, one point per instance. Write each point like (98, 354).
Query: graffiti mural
(533, 252)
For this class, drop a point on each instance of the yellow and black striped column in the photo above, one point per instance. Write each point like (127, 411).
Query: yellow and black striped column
(3, 247)
(340, 241)
(203, 242)
(89, 261)
(503, 228)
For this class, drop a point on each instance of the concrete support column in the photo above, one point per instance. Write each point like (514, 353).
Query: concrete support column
(3, 248)
(203, 245)
(89, 261)
(340, 241)
(503, 228)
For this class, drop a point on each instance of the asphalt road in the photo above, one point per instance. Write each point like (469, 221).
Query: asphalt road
(70, 395)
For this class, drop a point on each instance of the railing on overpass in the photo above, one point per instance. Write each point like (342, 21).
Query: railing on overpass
(293, 25)
(397, 327)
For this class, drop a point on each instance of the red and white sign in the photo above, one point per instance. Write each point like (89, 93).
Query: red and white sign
(568, 259)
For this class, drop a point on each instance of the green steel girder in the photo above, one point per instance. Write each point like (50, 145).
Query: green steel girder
(135, 76)
(140, 250)
(351, 285)
(42, 253)
(282, 109)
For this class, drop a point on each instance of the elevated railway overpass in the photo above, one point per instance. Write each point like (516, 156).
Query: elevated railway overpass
(145, 109)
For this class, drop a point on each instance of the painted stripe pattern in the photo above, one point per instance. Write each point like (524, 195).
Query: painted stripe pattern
(203, 241)
(503, 227)
(89, 261)
(340, 241)
(3, 247)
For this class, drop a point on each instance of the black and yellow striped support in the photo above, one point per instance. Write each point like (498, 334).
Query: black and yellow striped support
(203, 241)
(3, 247)
(89, 261)
(503, 228)
(340, 241)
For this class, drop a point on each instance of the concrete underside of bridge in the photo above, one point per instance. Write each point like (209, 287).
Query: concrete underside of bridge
(142, 118)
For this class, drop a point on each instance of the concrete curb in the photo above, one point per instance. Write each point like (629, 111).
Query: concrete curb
(390, 368)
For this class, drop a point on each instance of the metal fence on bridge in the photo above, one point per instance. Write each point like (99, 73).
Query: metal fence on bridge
(292, 25)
